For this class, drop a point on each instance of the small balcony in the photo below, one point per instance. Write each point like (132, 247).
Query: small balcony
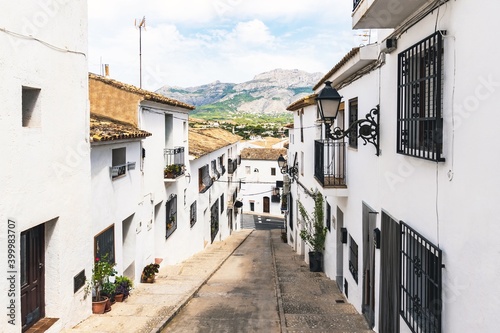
(380, 14)
(174, 156)
(121, 170)
(232, 165)
(330, 163)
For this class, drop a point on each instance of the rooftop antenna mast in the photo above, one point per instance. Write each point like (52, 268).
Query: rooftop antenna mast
(140, 25)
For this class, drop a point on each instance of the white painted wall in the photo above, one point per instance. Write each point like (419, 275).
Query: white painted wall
(166, 134)
(115, 200)
(447, 202)
(258, 182)
(45, 171)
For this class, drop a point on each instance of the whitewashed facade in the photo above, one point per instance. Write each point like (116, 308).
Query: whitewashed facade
(436, 94)
(118, 216)
(213, 188)
(259, 174)
(45, 178)
(156, 198)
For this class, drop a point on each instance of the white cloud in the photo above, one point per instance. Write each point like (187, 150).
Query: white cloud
(197, 41)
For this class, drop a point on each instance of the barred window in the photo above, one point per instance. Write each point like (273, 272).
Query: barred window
(192, 214)
(420, 282)
(104, 244)
(171, 208)
(214, 220)
(353, 117)
(353, 258)
(420, 122)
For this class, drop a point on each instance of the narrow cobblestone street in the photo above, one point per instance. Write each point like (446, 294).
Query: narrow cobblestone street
(265, 287)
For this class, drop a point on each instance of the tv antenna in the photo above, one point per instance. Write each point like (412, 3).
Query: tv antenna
(140, 25)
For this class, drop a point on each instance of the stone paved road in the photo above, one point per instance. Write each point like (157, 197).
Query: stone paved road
(261, 222)
(239, 297)
(265, 287)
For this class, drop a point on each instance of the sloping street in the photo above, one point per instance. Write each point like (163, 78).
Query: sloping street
(265, 287)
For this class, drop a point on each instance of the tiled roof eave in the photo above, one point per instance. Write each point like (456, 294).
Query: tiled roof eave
(147, 95)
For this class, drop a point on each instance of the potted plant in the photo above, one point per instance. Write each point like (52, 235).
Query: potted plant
(101, 271)
(314, 232)
(172, 170)
(108, 290)
(123, 285)
(149, 272)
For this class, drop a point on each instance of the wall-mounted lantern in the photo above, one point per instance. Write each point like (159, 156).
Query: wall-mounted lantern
(328, 101)
(291, 171)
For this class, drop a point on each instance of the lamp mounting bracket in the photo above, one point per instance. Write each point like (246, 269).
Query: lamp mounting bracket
(368, 129)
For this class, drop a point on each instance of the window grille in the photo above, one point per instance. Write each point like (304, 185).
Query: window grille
(353, 117)
(171, 208)
(420, 122)
(421, 284)
(192, 213)
(353, 258)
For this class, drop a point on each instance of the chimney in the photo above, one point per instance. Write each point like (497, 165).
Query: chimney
(106, 70)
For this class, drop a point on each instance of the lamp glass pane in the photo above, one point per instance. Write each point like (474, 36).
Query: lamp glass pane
(330, 107)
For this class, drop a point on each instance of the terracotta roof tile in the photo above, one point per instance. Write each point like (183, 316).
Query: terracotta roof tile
(147, 95)
(269, 154)
(303, 102)
(107, 129)
(206, 140)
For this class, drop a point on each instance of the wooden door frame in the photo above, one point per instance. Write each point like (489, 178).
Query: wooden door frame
(35, 271)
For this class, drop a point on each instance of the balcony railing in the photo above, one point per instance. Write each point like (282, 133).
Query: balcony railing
(232, 165)
(120, 170)
(330, 163)
(174, 156)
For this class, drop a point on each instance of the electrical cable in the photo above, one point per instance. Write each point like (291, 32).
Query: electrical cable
(51, 46)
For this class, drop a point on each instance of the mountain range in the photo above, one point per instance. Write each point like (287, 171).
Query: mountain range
(268, 93)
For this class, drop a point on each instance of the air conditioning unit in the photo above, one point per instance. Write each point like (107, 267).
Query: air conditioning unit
(389, 45)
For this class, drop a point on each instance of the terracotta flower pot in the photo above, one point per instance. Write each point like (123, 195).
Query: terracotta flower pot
(119, 297)
(98, 307)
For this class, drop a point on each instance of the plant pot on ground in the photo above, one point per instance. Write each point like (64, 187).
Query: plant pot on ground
(99, 307)
(123, 286)
(314, 232)
(149, 273)
(102, 270)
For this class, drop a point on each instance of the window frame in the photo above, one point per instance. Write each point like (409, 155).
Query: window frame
(420, 282)
(171, 215)
(353, 258)
(110, 233)
(353, 117)
(419, 98)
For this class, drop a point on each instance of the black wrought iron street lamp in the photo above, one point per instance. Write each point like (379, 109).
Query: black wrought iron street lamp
(291, 171)
(328, 101)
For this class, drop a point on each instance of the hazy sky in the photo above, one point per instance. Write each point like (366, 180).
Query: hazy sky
(194, 42)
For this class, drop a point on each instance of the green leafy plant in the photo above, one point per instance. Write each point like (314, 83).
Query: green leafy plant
(149, 271)
(173, 170)
(102, 270)
(123, 285)
(314, 231)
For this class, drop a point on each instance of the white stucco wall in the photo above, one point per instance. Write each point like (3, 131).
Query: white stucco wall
(447, 202)
(258, 182)
(46, 169)
(115, 200)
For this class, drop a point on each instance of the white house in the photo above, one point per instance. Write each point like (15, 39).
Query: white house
(214, 187)
(117, 166)
(157, 205)
(262, 180)
(45, 178)
(411, 240)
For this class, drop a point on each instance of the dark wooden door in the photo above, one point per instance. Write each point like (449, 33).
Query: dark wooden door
(32, 276)
(266, 205)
